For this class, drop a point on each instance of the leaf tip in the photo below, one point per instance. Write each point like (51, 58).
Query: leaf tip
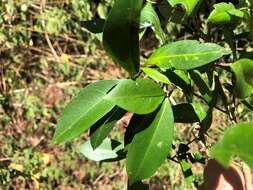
(55, 141)
(227, 51)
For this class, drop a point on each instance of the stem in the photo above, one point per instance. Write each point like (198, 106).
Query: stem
(247, 104)
(224, 98)
(43, 5)
(172, 159)
(216, 107)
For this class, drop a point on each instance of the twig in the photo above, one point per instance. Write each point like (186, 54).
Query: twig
(98, 178)
(4, 159)
(66, 84)
(216, 107)
(224, 66)
(43, 4)
(172, 159)
(114, 175)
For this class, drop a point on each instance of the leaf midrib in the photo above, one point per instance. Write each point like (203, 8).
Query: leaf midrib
(234, 154)
(152, 138)
(79, 118)
(183, 55)
(104, 123)
(127, 96)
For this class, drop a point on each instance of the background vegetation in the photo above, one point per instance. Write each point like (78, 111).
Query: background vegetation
(46, 56)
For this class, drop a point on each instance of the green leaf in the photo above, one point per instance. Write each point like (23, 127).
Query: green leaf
(186, 55)
(84, 111)
(237, 141)
(142, 121)
(189, 5)
(94, 26)
(173, 15)
(206, 122)
(156, 75)
(138, 96)
(103, 127)
(243, 70)
(236, 12)
(165, 10)
(121, 34)
(224, 13)
(179, 78)
(182, 81)
(150, 18)
(150, 147)
(188, 113)
(187, 171)
(204, 89)
(108, 150)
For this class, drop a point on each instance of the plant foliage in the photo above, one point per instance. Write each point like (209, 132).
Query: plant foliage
(191, 67)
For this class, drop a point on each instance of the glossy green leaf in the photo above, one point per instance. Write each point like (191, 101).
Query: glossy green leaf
(108, 150)
(156, 75)
(202, 85)
(172, 15)
(189, 5)
(84, 111)
(149, 18)
(165, 10)
(214, 87)
(182, 81)
(121, 34)
(150, 147)
(243, 70)
(188, 113)
(237, 141)
(94, 26)
(224, 12)
(179, 78)
(206, 122)
(236, 12)
(103, 127)
(138, 96)
(186, 55)
(142, 121)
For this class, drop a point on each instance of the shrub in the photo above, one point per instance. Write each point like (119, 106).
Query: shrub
(217, 41)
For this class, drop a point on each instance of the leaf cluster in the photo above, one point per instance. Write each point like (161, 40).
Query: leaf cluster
(220, 42)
